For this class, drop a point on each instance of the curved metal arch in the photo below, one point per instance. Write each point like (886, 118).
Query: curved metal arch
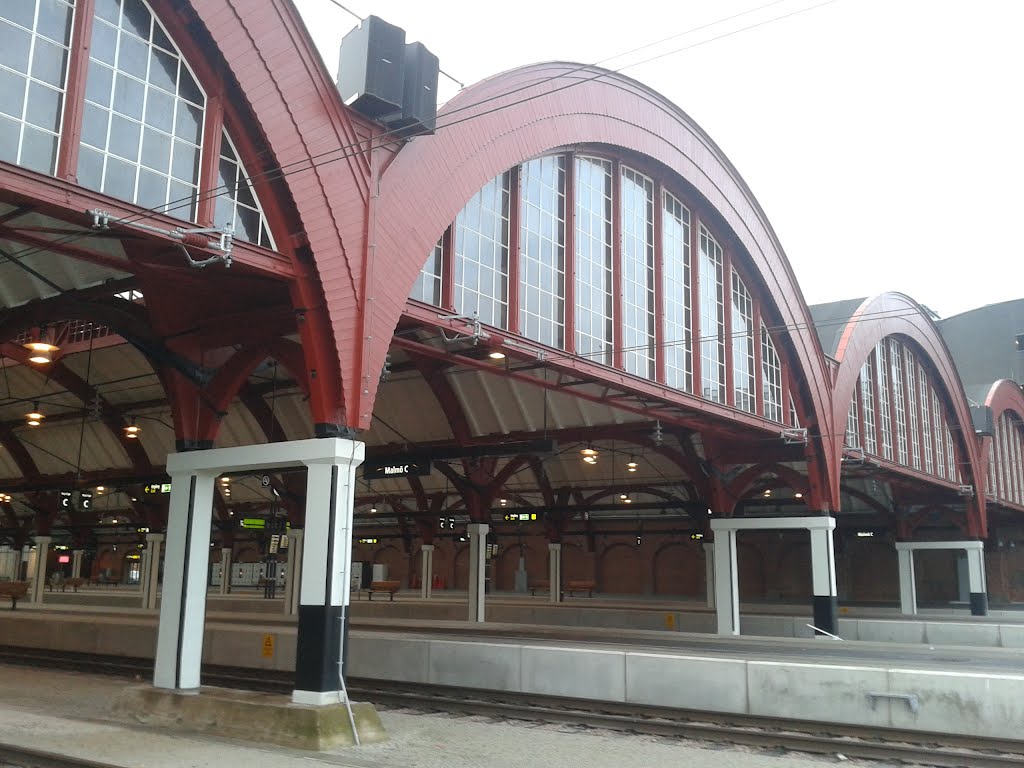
(1004, 396)
(745, 480)
(890, 314)
(417, 203)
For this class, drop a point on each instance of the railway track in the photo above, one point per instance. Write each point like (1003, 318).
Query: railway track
(22, 757)
(759, 733)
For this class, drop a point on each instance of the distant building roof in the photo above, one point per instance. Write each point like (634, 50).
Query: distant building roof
(982, 344)
(830, 321)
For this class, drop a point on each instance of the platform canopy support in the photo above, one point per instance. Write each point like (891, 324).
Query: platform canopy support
(477, 569)
(976, 583)
(326, 559)
(823, 567)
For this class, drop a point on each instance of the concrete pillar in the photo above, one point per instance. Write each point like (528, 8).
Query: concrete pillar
(555, 571)
(293, 572)
(709, 573)
(963, 585)
(976, 579)
(76, 563)
(908, 588)
(323, 602)
(726, 582)
(426, 571)
(477, 569)
(823, 580)
(154, 546)
(179, 646)
(145, 565)
(39, 571)
(225, 570)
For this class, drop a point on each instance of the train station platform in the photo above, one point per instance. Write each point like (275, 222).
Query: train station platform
(72, 714)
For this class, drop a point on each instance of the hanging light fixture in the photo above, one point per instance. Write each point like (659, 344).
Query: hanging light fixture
(41, 348)
(132, 431)
(590, 459)
(589, 451)
(34, 418)
(496, 354)
(631, 465)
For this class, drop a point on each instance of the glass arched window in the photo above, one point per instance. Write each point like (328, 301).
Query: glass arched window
(712, 319)
(428, 283)
(542, 250)
(142, 127)
(772, 375)
(637, 218)
(34, 39)
(481, 254)
(677, 303)
(236, 202)
(594, 259)
(742, 346)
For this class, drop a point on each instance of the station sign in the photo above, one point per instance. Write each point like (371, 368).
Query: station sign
(84, 501)
(254, 522)
(156, 488)
(696, 536)
(79, 500)
(446, 523)
(378, 470)
(520, 517)
(65, 500)
(367, 541)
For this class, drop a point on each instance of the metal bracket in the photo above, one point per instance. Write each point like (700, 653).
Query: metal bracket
(224, 242)
(911, 698)
(473, 321)
(793, 435)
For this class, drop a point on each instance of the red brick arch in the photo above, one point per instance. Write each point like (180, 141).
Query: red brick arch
(512, 117)
(890, 314)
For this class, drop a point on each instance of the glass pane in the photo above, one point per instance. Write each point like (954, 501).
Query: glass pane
(124, 137)
(163, 70)
(94, 126)
(183, 200)
(245, 196)
(189, 123)
(152, 189)
(120, 179)
(133, 56)
(109, 10)
(156, 150)
(14, 47)
(160, 110)
(128, 96)
(90, 168)
(104, 43)
(19, 12)
(10, 133)
(185, 166)
(54, 21)
(99, 84)
(160, 37)
(225, 211)
(12, 96)
(189, 89)
(247, 224)
(43, 107)
(136, 18)
(38, 150)
(49, 62)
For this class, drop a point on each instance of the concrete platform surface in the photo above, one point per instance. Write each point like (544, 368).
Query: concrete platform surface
(72, 714)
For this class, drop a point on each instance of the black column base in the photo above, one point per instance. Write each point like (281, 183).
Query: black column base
(183, 446)
(979, 604)
(826, 610)
(318, 648)
(335, 430)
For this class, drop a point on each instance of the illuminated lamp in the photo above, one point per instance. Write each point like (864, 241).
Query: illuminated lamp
(631, 465)
(589, 451)
(496, 354)
(34, 418)
(41, 349)
(132, 431)
(590, 459)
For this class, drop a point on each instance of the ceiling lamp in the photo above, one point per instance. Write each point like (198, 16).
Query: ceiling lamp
(590, 459)
(373, 510)
(631, 465)
(496, 354)
(589, 451)
(623, 496)
(34, 418)
(41, 349)
(132, 431)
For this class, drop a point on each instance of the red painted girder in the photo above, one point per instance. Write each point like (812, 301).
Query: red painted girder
(69, 202)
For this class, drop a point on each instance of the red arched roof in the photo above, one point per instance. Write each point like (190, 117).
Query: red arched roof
(514, 116)
(897, 314)
(1004, 395)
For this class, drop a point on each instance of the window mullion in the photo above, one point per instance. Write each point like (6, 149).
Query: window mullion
(618, 326)
(659, 283)
(727, 332)
(74, 93)
(208, 172)
(569, 256)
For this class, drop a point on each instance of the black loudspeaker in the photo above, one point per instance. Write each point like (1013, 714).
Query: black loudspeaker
(371, 70)
(419, 103)
(984, 424)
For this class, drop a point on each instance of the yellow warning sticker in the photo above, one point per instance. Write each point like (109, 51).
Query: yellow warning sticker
(670, 621)
(268, 646)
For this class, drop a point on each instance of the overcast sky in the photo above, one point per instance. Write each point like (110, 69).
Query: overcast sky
(883, 138)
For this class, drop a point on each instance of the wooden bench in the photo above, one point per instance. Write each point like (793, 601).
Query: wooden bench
(14, 590)
(383, 586)
(541, 585)
(581, 586)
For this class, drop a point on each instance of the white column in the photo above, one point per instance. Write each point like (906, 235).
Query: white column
(477, 569)
(555, 571)
(76, 563)
(908, 589)
(976, 578)
(426, 571)
(709, 573)
(963, 579)
(823, 580)
(179, 647)
(293, 572)
(39, 582)
(144, 579)
(225, 570)
(727, 588)
(326, 575)
(154, 544)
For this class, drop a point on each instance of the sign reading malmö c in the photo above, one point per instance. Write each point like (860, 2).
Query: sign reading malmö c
(378, 470)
